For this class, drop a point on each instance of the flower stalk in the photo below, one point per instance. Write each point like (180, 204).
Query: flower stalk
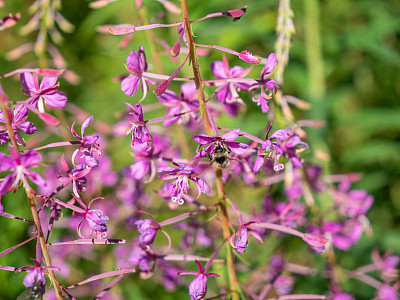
(45, 251)
(211, 130)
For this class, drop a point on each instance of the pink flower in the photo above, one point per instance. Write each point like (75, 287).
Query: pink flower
(19, 165)
(198, 286)
(46, 93)
(136, 64)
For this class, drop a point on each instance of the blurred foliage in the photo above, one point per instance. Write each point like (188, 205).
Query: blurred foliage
(361, 57)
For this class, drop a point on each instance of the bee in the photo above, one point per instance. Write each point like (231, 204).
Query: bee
(221, 157)
(32, 293)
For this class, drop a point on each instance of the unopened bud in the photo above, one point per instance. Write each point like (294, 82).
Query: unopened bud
(122, 29)
(161, 88)
(176, 49)
(249, 57)
(236, 14)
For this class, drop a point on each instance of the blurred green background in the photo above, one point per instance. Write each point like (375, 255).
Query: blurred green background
(354, 86)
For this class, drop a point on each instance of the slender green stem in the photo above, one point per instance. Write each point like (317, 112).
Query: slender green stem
(196, 70)
(45, 251)
(233, 283)
(5, 108)
(43, 244)
(316, 74)
(41, 41)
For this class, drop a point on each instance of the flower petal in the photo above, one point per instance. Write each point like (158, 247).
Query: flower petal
(130, 85)
(231, 135)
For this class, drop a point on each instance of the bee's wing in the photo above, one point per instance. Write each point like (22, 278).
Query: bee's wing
(29, 294)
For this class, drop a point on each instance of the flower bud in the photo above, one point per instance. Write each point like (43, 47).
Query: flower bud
(249, 57)
(176, 50)
(161, 88)
(236, 13)
(198, 287)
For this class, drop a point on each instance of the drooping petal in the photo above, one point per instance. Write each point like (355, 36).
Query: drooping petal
(264, 105)
(139, 169)
(202, 185)
(27, 127)
(130, 84)
(258, 163)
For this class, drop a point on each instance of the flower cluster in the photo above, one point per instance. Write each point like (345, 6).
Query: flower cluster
(181, 172)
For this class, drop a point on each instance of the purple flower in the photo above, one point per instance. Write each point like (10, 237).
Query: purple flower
(148, 230)
(136, 64)
(316, 241)
(89, 144)
(286, 144)
(387, 292)
(177, 104)
(344, 235)
(283, 285)
(95, 218)
(35, 276)
(241, 241)
(76, 176)
(18, 121)
(46, 93)
(387, 265)
(138, 130)
(242, 236)
(141, 258)
(146, 159)
(352, 203)
(291, 215)
(198, 286)
(180, 187)
(19, 166)
(210, 142)
(268, 85)
(227, 92)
